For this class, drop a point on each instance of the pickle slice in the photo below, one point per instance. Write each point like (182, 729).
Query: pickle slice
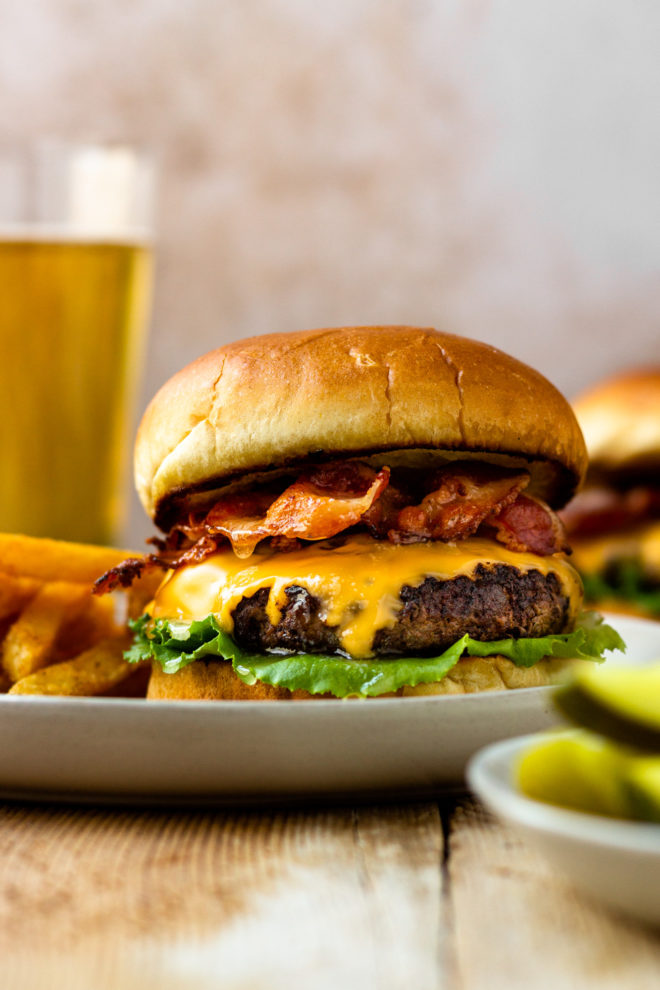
(579, 770)
(644, 788)
(619, 703)
(576, 770)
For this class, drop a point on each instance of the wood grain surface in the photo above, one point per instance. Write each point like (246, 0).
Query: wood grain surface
(401, 896)
(517, 924)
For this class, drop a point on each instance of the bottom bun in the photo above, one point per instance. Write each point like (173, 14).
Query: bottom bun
(215, 680)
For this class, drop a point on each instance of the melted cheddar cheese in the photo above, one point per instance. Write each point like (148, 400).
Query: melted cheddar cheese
(357, 583)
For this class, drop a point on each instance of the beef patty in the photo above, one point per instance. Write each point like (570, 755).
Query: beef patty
(497, 602)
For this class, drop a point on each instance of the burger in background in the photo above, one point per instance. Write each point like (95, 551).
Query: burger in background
(614, 522)
(358, 511)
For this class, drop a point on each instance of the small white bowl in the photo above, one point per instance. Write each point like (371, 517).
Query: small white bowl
(616, 861)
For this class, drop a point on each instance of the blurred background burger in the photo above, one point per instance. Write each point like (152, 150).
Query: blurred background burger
(614, 522)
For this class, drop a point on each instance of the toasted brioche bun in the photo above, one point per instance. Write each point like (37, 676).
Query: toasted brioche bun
(270, 402)
(620, 418)
(215, 680)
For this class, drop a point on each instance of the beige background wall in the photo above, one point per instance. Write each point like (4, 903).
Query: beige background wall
(490, 166)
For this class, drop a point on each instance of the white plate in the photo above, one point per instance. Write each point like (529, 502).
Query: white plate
(613, 860)
(91, 748)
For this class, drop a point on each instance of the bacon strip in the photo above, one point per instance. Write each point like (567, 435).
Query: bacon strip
(528, 524)
(241, 519)
(122, 575)
(460, 500)
(463, 496)
(311, 510)
(382, 517)
(318, 505)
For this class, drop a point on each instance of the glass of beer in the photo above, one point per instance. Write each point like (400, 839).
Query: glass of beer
(75, 285)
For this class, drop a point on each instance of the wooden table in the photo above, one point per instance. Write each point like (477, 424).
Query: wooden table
(401, 896)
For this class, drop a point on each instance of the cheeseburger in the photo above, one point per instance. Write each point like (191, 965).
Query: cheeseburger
(358, 512)
(614, 523)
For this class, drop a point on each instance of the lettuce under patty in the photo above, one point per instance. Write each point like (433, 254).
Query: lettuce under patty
(175, 644)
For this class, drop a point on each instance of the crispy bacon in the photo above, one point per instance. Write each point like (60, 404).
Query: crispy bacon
(529, 524)
(343, 478)
(311, 510)
(462, 496)
(320, 504)
(241, 519)
(382, 517)
(454, 503)
(123, 575)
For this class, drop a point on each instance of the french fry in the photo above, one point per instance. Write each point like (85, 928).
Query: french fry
(97, 620)
(30, 639)
(95, 671)
(56, 637)
(15, 593)
(56, 560)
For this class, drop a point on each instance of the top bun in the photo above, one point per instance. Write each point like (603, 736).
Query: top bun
(266, 403)
(620, 418)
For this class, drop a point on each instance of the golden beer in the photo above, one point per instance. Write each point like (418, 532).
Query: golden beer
(73, 317)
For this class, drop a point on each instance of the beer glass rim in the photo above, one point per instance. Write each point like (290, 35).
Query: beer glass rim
(77, 190)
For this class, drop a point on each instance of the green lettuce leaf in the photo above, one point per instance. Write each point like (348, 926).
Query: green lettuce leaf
(176, 644)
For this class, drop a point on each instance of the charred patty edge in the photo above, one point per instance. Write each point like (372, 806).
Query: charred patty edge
(498, 601)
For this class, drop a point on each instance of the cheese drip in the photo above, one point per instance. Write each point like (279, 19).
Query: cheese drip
(357, 583)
